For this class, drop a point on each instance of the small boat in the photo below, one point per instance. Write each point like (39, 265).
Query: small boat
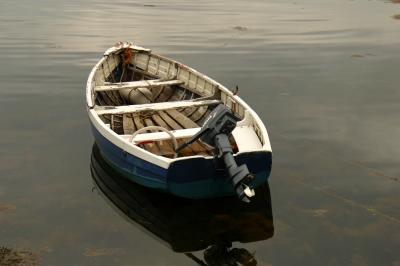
(185, 225)
(166, 126)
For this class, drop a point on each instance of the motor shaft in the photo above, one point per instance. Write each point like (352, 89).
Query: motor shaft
(240, 176)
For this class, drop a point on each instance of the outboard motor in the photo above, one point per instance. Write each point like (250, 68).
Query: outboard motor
(215, 132)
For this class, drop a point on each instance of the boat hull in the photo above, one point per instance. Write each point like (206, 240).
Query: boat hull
(194, 178)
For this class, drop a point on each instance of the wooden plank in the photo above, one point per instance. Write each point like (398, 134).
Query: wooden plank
(182, 119)
(149, 123)
(197, 149)
(151, 147)
(165, 148)
(195, 113)
(186, 122)
(188, 111)
(188, 151)
(159, 121)
(137, 84)
(129, 126)
(198, 113)
(200, 149)
(161, 135)
(138, 122)
(102, 110)
(157, 118)
(171, 122)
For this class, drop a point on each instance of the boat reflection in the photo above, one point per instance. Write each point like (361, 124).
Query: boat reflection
(187, 225)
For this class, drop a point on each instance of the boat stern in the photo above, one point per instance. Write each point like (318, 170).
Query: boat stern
(202, 177)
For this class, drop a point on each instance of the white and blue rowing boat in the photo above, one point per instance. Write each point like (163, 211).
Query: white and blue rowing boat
(166, 126)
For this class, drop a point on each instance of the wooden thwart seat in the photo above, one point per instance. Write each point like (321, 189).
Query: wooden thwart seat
(159, 136)
(103, 110)
(138, 84)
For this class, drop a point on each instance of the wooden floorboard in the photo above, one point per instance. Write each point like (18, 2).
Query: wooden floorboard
(182, 119)
(187, 151)
(159, 121)
(138, 122)
(188, 111)
(128, 124)
(165, 149)
(199, 148)
(151, 147)
(198, 113)
(166, 121)
(170, 121)
(196, 146)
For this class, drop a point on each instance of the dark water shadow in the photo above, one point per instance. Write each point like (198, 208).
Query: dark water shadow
(186, 226)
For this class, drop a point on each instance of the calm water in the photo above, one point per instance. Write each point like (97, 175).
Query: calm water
(323, 75)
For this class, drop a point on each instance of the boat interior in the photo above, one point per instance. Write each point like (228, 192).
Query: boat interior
(136, 89)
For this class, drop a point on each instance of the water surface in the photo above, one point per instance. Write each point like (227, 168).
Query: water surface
(323, 76)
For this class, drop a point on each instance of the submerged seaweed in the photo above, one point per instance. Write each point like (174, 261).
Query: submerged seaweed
(15, 257)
